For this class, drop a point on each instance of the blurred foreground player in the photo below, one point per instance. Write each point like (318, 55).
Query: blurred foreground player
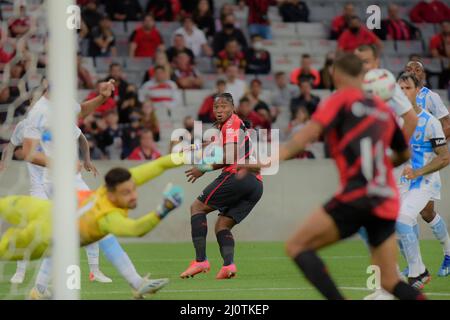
(358, 129)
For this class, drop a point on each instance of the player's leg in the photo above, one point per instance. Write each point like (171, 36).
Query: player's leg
(412, 203)
(384, 256)
(247, 191)
(319, 230)
(199, 231)
(225, 239)
(439, 228)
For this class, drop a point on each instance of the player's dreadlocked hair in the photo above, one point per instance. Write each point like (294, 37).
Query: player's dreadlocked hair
(116, 176)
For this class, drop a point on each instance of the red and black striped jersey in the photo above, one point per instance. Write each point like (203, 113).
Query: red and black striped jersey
(358, 130)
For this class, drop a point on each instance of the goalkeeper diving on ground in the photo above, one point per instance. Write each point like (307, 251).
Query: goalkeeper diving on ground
(101, 212)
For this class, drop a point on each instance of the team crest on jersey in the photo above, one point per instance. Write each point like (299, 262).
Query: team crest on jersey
(46, 136)
(421, 122)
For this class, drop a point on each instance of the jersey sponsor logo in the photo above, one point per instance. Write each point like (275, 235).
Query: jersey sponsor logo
(417, 135)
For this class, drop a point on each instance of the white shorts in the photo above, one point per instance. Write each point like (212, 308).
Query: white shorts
(412, 203)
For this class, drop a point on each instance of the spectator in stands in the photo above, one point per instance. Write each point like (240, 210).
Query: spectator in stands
(258, 59)
(396, 28)
(179, 45)
(103, 41)
(160, 60)
(147, 149)
(206, 112)
(149, 119)
(145, 39)
(94, 150)
(128, 103)
(20, 24)
(187, 136)
(185, 75)
(124, 10)
(121, 85)
(90, 15)
(85, 78)
(293, 11)
(204, 18)
(164, 10)
(188, 7)
(109, 104)
(258, 18)
(112, 136)
(234, 85)
(231, 55)
(341, 23)
(131, 133)
(306, 99)
(357, 35)
(254, 119)
(326, 79)
(5, 95)
(194, 37)
(305, 71)
(430, 11)
(440, 42)
(301, 119)
(228, 32)
(283, 92)
(258, 103)
(17, 71)
(161, 91)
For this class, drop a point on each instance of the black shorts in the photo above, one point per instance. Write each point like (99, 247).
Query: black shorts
(233, 197)
(350, 219)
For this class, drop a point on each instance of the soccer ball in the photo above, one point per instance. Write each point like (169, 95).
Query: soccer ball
(380, 82)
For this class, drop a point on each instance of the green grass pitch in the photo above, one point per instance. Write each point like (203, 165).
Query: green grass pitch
(264, 272)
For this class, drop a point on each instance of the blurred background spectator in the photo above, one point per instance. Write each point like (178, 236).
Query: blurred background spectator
(145, 39)
(185, 75)
(124, 10)
(160, 60)
(430, 11)
(396, 28)
(179, 45)
(231, 55)
(194, 37)
(121, 85)
(341, 22)
(293, 11)
(164, 10)
(204, 18)
(149, 119)
(305, 99)
(103, 40)
(258, 59)
(128, 103)
(283, 91)
(147, 149)
(229, 31)
(440, 42)
(258, 18)
(253, 118)
(355, 35)
(237, 87)
(20, 24)
(305, 71)
(326, 79)
(85, 78)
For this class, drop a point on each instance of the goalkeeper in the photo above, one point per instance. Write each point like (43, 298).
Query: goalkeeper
(103, 211)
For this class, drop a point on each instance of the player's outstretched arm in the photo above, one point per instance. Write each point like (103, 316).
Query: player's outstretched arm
(106, 90)
(152, 169)
(121, 226)
(86, 155)
(7, 155)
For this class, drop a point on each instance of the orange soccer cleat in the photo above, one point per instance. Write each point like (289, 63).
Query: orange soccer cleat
(227, 272)
(195, 268)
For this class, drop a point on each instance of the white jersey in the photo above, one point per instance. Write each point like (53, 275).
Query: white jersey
(35, 172)
(431, 102)
(427, 136)
(38, 127)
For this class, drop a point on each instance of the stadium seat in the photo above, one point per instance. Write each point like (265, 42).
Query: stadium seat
(322, 12)
(138, 64)
(432, 65)
(281, 30)
(195, 97)
(130, 26)
(284, 63)
(204, 64)
(389, 48)
(36, 44)
(118, 28)
(267, 80)
(285, 47)
(167, 29)
(274, 14)
(122, 45)
(427, 30)
(209, 80)
(311, 30)
(102, 63)
(322, 46)
(409, 47)
(396, 64)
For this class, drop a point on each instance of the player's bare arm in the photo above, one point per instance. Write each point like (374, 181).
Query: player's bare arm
(106, 90)
(310, 133)
(6, 156)
(86, 154)
(445, 122)
(441, 161)
(31, 155)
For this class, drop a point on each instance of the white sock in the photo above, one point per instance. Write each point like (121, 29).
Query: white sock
(92, 252)
(440, 232)
(44, 276)
(120, 260)
(21, 266)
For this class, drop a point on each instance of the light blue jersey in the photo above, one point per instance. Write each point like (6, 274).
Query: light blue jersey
(431, 102)
(427, 136)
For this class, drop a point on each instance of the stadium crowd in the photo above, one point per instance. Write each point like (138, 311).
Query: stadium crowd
(229, 40)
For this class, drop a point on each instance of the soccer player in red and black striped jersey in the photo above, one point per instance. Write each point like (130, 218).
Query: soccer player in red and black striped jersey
(358, 130)
(232, 195)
